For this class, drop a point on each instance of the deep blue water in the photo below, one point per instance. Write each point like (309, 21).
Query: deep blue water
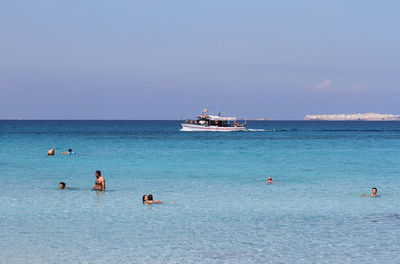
(222, 211)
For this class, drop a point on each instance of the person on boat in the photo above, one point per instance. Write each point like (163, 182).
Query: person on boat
(269, 180)
(373, 194)
(51, 152)
(68, 152)
(100, 183)
(63, 186)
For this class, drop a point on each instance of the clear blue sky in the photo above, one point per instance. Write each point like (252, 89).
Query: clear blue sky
(93, 59)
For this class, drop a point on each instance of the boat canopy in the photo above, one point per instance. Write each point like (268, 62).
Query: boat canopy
(220, 118)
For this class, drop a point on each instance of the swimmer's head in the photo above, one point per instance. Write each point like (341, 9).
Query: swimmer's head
(97, 173)
(269, 178)
(150, 197)
(374, 191)
(69, 150)
(62, 185)
(144, 198)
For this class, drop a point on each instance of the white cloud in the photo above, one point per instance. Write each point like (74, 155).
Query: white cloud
(323, 85)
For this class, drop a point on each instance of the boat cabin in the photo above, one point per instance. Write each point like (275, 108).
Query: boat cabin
(214, 120)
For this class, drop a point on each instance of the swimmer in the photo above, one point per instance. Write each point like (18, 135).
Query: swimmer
(148, 199)
(51, 152)
(62, 186)
(373, 194)
(144, 199)
(269, 180)
(100, 183)
(68, 152)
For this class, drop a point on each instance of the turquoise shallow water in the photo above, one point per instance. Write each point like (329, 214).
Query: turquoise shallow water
(223, 211)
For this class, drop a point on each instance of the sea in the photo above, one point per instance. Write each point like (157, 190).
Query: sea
(217, 206)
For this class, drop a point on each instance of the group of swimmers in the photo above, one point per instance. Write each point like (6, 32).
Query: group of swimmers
(52, 151)
(99, 183)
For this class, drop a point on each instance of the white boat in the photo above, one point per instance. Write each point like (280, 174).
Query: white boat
(206, 122)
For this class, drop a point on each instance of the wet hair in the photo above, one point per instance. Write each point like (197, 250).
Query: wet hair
(98, 172)
(69, 150)
(144, 196)
(374, 188)
(62, 183)
(150, 197)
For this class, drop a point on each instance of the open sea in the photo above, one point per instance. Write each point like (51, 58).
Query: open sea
(218, 207)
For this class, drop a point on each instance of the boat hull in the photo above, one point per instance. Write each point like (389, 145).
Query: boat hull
(193, 127)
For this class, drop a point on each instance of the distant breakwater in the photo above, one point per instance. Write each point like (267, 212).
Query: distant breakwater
(354, 117)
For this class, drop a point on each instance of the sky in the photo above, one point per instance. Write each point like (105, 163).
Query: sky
(148, 59)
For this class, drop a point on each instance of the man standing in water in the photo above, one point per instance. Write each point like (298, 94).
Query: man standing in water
(100, 183)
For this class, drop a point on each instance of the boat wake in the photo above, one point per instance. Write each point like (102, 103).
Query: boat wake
(269, 130)
(255, 130)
